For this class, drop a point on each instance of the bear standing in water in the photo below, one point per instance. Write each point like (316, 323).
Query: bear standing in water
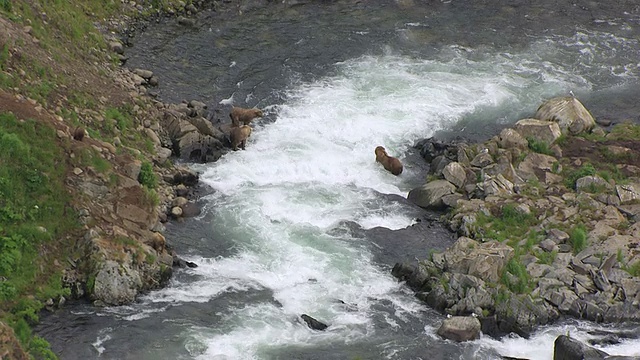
(393, 165)
(239, 135)
(244, 116)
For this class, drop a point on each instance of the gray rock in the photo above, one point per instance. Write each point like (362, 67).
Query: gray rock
(558, 236)
(497, 185)
(451, 200)
(568, 112)
(482, 159)
(460, 328)
(509, 138)
(586, 183)
(176, 211)
(162, 155)
(535, 165)
(313, 323)
(521, 314)
(153, 137)
(483, 260)
(546, 131)
(566, 348)
(628, 193)
(132, 169)
(580, 268)
(584, 309)
(430, 194)
(186, 21)
(455, 174)
(438, 164)
(548, 245)
(116, 284)
(145, 74)
(116, 47)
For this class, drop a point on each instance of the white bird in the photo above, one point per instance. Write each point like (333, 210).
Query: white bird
(228, 101)
(571, 93)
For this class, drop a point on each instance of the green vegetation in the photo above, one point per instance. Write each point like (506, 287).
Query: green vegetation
(510, 224)
(546, 257)
(5, 5)
(595, 137)
(516, 278)
(539, 146)
(147, 177)
(578, 238)
(633, 269)
(625, 131)
(34, 217)
(572, 175)
(90, 157)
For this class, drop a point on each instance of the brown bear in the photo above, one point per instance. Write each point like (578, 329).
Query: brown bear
(239, 135)
(240, 115)
(157, 242)
(78, 133)
(393, 165)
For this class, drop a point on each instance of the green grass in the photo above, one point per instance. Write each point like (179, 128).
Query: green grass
(520, 282)
(34, 218)
(578, 238)
(633, 269)
(147, 176)
(539, 146)
(625, 131)
(509, 224)
(572, 175)
(90, 157)
(546, 257)
(5, 6)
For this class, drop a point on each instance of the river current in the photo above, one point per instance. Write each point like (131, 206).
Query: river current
(304, 221)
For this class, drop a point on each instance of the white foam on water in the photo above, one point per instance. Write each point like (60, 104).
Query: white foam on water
(314, 167)
(541, 344)
(103, 337)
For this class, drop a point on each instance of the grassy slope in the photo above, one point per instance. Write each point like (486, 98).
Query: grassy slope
(52, 54)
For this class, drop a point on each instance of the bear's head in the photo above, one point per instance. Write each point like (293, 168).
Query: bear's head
(381, 152)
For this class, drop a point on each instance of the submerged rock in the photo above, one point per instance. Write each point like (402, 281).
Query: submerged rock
(313, 323)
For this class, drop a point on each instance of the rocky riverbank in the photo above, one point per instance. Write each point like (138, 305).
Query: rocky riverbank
(122, 152)
(546, 214)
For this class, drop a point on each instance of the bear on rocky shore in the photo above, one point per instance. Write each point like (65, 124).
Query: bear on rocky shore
(245, 116)
(239, 135)
(78, 133)
(393, 165)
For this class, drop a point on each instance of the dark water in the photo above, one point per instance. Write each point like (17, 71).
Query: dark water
(528, 50)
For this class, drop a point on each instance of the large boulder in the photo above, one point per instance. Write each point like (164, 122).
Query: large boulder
(628, 193)
(592, 183)
(568, 112)
(483, 260)
(566, 348)
(455, 174)
(546, 131)
(188, 141)
(460, 328)
(536, 166)
(430, 194)
(497, 185)
(115, 284)
(522, 314)
(509, 138)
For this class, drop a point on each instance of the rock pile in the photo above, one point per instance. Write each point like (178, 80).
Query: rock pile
(547, 217)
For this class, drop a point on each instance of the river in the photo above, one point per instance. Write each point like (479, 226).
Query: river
(304, 220)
